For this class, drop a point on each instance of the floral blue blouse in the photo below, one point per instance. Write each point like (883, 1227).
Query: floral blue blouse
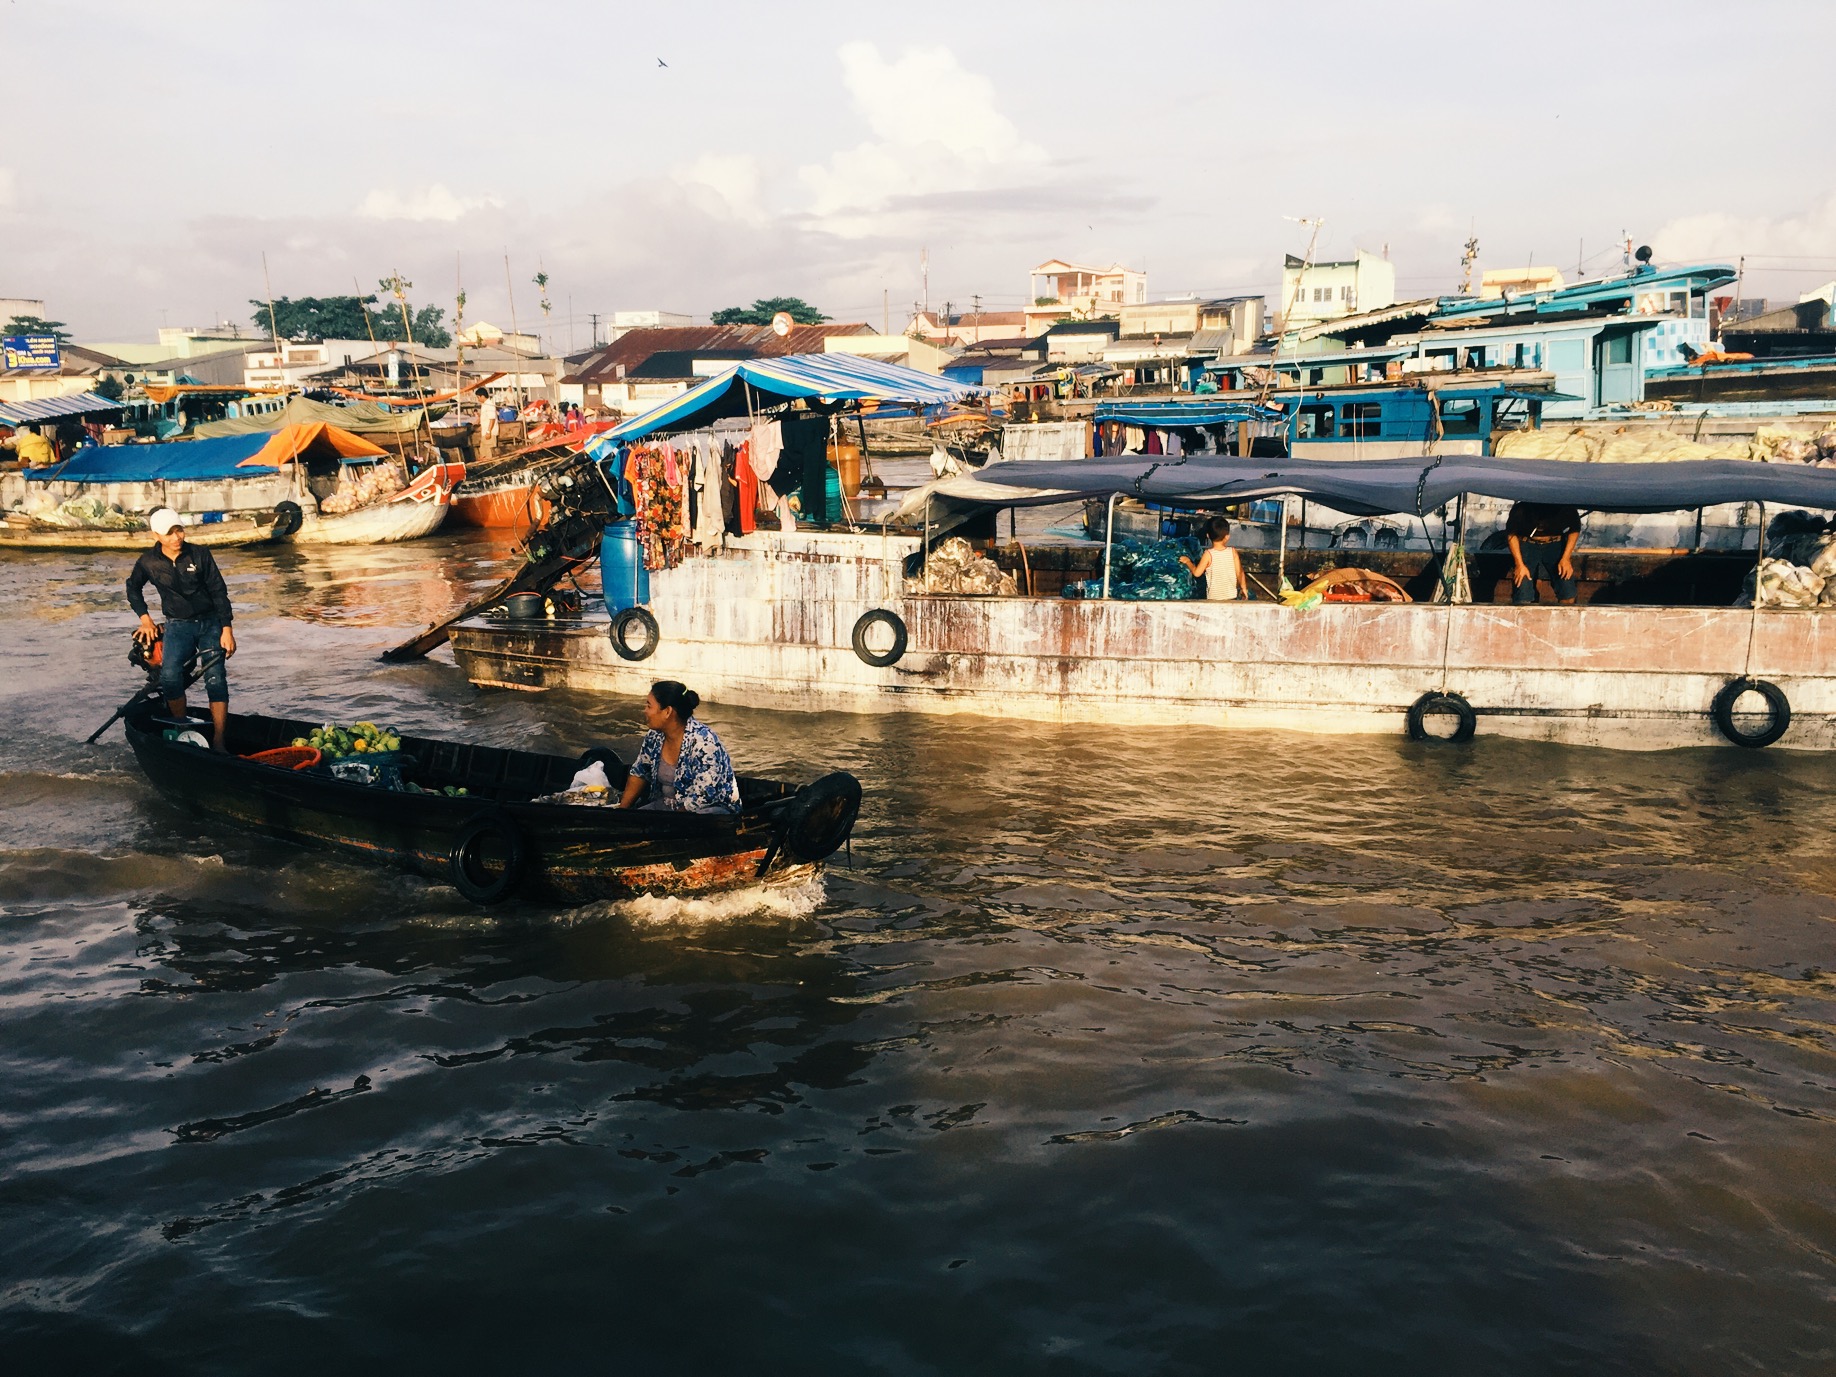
(704, 775)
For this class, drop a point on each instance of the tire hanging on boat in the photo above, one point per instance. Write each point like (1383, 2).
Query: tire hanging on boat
(820, 816)
(621, 634)
(490, 824)
(1465, 718)
(1778, 712)
(882, 658)
(287, 518)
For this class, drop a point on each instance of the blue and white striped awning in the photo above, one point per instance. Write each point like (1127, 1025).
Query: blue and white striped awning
(52, 408)
(759, 383)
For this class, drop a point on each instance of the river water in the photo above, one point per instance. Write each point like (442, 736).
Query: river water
(1116, 1050)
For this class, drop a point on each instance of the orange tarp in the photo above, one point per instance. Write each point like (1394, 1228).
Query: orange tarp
(290, 442)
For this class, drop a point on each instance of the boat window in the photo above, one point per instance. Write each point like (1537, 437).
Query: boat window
(1315, 423)
(1618, 348)
(1360, 420)
(1460, 416)
(1513, 413)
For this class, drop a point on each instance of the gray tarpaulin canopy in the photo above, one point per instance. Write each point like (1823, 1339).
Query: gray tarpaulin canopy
(1374, 487)
(360, 418)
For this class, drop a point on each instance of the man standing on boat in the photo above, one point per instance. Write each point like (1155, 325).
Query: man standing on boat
(1542, 540)
(196, 604)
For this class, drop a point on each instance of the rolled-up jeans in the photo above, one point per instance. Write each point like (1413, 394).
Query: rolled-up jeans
(184, 638)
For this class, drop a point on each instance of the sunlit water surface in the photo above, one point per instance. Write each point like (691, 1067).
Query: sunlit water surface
(1134, 1051)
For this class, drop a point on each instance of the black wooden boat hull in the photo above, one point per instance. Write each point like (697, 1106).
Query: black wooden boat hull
(552, 853)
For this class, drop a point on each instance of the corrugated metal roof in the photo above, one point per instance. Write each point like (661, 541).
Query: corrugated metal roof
(634, 348)
(52, 408)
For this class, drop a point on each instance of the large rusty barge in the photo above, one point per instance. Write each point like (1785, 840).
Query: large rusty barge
(1653, 655)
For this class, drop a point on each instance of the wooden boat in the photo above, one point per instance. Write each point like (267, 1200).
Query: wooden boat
(513, 502)
(496, 842)
(415, 511)
(21, 533)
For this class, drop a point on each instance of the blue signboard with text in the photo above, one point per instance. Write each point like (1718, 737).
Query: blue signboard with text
(30, 351)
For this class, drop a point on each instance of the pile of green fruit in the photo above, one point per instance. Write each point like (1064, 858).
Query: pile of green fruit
(362, 738)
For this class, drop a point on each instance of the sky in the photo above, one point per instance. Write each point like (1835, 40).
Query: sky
(688, 157)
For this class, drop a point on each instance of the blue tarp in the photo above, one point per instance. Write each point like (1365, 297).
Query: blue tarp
(1382, 486)
(758, 383)
(1203, 411)
(185, 459)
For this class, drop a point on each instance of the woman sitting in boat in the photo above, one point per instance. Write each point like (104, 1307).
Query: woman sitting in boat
(681, 762)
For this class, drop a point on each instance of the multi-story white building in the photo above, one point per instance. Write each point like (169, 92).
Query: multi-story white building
(1312, 292)
(1058, 290)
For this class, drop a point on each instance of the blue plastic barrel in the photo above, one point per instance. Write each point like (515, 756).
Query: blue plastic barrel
(621, 567)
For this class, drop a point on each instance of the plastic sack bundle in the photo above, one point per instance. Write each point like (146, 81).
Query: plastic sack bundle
(360, 485)
(955, 567)
(1780, 583)
(1142, 571)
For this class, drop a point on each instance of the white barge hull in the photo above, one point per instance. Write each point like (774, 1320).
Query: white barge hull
(769, 623)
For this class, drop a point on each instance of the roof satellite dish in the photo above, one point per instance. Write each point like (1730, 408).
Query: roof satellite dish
(1644, 253)
(781, 323)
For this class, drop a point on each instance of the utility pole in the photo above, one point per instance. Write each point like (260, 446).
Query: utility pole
(924, 273)
(593, 316)
(977, 300)
(1468, 256)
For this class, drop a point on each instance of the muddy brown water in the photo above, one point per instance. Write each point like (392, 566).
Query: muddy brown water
(1115, 1051)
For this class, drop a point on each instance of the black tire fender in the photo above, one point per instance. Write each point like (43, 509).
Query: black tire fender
(621, 634)
(820, 816)
(1442, 702)
(462, 859)
(1778, 708)
(868, 620)
(287, 518)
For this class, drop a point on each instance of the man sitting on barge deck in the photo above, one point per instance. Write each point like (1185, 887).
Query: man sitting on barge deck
(1542, 540)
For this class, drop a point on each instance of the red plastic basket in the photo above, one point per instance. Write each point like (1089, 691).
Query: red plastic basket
(288, 757)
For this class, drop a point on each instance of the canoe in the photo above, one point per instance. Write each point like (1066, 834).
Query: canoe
(21, 535)
(495, 842)
(415, 511)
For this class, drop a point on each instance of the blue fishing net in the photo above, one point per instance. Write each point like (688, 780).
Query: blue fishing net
(1143, 571)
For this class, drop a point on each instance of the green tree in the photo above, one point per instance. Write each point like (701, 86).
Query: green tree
(762, 310)
(110, 388)
(35, 325)
(350, 317)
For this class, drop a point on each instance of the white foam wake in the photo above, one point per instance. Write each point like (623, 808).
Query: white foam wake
(794, 896)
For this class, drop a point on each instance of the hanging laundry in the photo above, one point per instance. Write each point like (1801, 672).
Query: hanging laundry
(748, 490)
(1153, 443)
(662, 529)
(709, 522)
(1175, 446)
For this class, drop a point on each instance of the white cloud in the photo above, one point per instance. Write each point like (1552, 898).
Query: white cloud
(736, 180)
(1809, 233)
(937, 129)
(432, 202)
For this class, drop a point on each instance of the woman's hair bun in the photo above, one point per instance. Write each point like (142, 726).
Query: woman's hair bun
(678, 697)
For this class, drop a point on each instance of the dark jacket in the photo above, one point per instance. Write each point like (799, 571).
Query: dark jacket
(191, 590)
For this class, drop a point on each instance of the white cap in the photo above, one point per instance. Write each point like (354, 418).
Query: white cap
(164, 520)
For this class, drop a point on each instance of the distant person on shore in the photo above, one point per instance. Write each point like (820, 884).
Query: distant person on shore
(196, 604)
(1542, 540)
(1220, 566)
(681, 762)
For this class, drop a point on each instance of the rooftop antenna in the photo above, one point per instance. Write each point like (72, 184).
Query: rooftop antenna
(924, 273)
(1468, 257)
